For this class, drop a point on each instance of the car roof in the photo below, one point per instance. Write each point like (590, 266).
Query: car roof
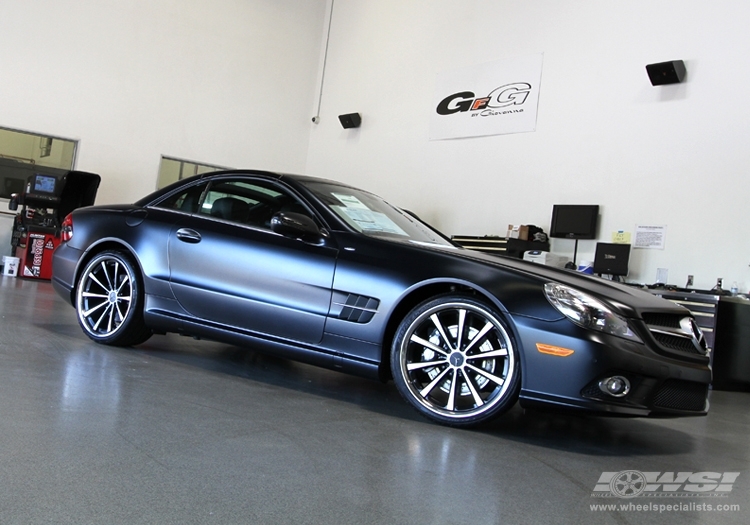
(286, 177)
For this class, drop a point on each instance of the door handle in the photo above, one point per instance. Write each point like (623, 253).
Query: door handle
(188, 235)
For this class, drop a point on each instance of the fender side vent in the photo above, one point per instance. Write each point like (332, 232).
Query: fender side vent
(353, 307)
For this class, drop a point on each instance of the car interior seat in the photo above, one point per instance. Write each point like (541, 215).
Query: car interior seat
(230, 209)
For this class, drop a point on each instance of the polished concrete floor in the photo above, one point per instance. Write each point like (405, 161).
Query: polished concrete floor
(178, 431)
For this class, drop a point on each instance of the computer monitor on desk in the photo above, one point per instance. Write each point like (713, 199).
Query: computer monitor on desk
(611, 259)
(574, 221)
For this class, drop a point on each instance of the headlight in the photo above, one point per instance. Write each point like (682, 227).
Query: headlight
(588, 312)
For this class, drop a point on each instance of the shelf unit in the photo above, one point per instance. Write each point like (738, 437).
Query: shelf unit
(499, 245)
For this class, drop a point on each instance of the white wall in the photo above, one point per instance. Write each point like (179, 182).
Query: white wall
(233, 82)
(227, 82)
(671, 155)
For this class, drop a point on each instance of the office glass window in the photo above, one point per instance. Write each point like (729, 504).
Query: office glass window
(22, 153)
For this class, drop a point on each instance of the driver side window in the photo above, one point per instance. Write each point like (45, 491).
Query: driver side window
(247, 202)
(185, 201)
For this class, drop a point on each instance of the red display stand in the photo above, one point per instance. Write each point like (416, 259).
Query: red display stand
(49, 196)
(35, 253)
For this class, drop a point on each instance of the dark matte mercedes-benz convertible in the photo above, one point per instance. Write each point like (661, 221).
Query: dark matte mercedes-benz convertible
(324, 273)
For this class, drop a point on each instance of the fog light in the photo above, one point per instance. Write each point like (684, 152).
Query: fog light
(615, 386)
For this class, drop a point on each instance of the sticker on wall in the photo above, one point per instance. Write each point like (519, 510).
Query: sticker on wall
(621, 237)
(495, 98)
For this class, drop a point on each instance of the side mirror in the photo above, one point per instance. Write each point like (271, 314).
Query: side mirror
(297, 225)
(13, 203)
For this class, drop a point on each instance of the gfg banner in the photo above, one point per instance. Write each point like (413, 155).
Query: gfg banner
(489, 99)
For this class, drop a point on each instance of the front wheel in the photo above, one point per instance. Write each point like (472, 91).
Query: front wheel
(109, 301)
(454, 360)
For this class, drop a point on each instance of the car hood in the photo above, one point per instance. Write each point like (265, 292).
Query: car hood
(630, 301)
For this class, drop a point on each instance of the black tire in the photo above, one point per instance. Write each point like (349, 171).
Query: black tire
(456, 337)
(109, 300)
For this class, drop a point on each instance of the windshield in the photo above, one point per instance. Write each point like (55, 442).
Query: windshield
(371, 215)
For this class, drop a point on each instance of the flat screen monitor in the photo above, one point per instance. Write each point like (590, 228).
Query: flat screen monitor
(611, 259)
(12, 186)
(574, 221)
(44, 184)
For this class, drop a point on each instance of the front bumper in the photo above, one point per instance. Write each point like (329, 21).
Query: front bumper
(661, 385)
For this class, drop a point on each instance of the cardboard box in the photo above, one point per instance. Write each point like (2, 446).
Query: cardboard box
(518, 231)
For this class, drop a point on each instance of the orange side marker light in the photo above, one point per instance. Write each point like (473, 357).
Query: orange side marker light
(554, 350)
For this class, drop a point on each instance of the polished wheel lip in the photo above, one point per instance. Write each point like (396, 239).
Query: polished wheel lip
(456, 361)
(104, 296)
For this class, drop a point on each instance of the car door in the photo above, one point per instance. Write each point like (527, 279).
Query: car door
(228, 268)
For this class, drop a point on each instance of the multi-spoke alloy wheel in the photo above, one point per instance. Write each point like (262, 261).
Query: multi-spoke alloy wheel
(108, 301)
(453, 359)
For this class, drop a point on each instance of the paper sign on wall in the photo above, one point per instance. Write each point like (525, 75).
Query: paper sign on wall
(488, 99)
(650, 237)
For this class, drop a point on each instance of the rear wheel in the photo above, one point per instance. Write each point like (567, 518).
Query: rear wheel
(109, 300)
(454, 360)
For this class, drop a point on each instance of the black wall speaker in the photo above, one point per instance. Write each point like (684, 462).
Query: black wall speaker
(350, 120)
(666, 72)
